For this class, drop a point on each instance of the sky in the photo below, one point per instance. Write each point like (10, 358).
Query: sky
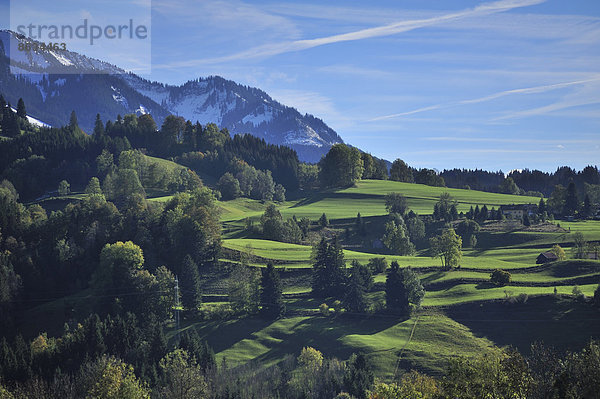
(496, 85)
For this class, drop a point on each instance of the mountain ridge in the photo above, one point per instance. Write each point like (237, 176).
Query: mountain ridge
(93, 86)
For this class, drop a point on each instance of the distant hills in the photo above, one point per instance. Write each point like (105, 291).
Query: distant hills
(53, 83)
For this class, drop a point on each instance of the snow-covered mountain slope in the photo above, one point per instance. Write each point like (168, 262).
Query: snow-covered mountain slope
(92, 86)
(33, 121)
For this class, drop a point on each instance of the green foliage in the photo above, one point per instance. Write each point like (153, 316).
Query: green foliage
(243, 289)
(125, 284)
(359, 378)
(341, 167)
(73, 123)
(396, 203)
(396, 239)
(271, 294)
(274, 228)
(64, 188)
(279, 193)
(415, 227)
(110, 378)
(509, 186)
(229, 187)
(580, 247)
(445, 208)
(21, 111)
(191, 292)
(192, 227)
(124, 188)
(183, 377)
(571, 205)
(557, 199)
(468, 230)
(308, 176)
(429, 177)
(329, 273)
(10, 281)
(500, 277)
(400, 171)
(93, 187)
(359, 283)
(559, 252)
(447, 247)
(413, 385)
(499, 375)
(377, 265)
(323, 221)
(402, 287)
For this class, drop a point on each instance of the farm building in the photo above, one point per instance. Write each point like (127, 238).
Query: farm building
(546, 257)
(517, 211)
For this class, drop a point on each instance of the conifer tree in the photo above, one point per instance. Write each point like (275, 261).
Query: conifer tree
(98, 127)
(323, 220)
(329, 273)
(396, 295)
(191, 293)
(21, 112)
(73, 120)
(271, 294)
(355, 300)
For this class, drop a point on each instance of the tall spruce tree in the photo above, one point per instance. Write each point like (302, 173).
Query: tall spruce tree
(329, 269)
(355, 299)
(396, 294)
(271, 294)
(359, 378)
(571, 201)
(21, 112)
(73, 124)
(191, 292)
(98, 127)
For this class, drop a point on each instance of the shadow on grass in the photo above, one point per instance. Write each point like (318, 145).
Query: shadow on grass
(562, 323)
(485, 285)
(223, 334)
(433, 277)
(325, 334)
(289, 335)
(334, 195)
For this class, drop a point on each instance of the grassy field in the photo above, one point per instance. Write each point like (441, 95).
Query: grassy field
(367, 197)
(424, 342)
(436, 337)
(463, 313)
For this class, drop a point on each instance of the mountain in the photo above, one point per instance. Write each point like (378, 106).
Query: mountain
(53, 83)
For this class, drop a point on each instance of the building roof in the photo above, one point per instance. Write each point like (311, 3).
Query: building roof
(549, 255)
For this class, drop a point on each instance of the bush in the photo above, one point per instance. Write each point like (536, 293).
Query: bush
(577, 293)
(324, 309)
(337, 305)
(500, 277)
(377, 265)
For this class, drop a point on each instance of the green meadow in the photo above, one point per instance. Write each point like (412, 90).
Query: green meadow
(462, 312)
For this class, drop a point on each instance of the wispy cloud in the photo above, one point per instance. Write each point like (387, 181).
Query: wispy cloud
(584, 96)
(273, 49)
(528, 90)
(509, 140)
(356, 71)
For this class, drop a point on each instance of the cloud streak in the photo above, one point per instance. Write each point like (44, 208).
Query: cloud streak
(528, 90)
(273, 49)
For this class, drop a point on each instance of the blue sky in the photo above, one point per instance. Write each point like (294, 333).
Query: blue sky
(477, 84)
